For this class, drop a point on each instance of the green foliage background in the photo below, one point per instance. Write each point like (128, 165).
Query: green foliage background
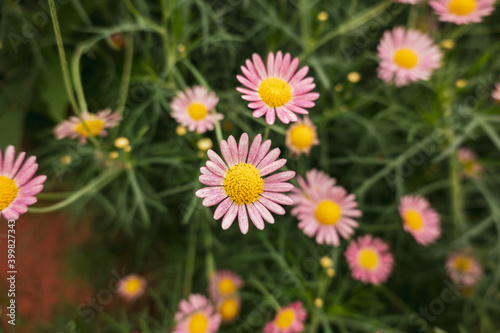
(380, 142)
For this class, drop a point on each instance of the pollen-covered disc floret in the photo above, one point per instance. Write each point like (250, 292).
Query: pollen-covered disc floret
(17, 185)
(369, 260)
(324, 209)
(90, 125)
(194, 109)
(276, 88)
(470, 165)
(462, 11)
(301, 137)
(229, 308)
(463, 268)
(196, 315)
(238, 183)
(224, 284)
(420, 219)
(407, 56)
(289, 319)
(131, 287)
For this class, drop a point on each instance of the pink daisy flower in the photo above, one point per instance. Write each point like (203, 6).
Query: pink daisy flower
(301, 137)
(196, 315)
(370, 260)
(229, 308)
(194, 109)
(277, 89)
(17, 185)
(131, 287)
(324, 209)
(463, 268)
(496, 93)
(237, 182)
(407, 56)
(92, 125)
(468, 159)
(289, 319)
(420, 219)
(462, 11)
(223, 284)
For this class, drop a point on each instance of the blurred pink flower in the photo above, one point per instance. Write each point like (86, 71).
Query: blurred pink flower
(223, 284)
(463, 268)
(324, 209)
(496, 93)
(407, 56)
(411, 2)
(289, 319)
(468, 159)
(301, 137)
(196, 315)
(17, 185)
(237, 182)
(370, 260)
(131, 287)
(92, 125)
(277, 89)
(420, 220)
(194, 109)
(462, 11)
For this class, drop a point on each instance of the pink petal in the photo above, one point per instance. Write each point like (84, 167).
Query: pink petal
(255, 216)
(243, 219)
(228, 219)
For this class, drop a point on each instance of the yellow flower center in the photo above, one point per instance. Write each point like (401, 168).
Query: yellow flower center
(133, 285)
(328, 212)
(275, 92)
(227, 286)
(413, 220)
(462, 264)
(406, 58)
(302, 136)
(197, 111)
(243, 183)
(198, 323)
(368, 259)
(462, 7)
(229, 309)
(93, 125)
(8, 192)
(285, 318)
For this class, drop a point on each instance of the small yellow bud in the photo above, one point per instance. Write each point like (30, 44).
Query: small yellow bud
(338, 87)
(127, 149)
(354, 77)
(330, 272)
(181, 48)
(201, 154)
(318, 302)
(121, 142)
(448, 44)
(113, 155)
(127, 166)
(461, 83)
(205, 144)
(66, 159)
(181, 130)
(322, 16)
(326, 262)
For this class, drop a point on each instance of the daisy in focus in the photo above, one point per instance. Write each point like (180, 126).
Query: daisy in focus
(289, 319)
(463, 268)
(324, 209)
(301, 137)
(229, 308)
(370, 260)
(223, 284)
(90, 125)
(17, 185)
(196, 315)
(471, 167)
(407, 56)
(420, 219)
(238, 183)
(193, 109)
(496, 93)
(462, 11)
(131, 287)
(278, 89)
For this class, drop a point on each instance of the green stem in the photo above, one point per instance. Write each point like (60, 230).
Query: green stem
(259, 286)
(191, 257)
(77, 80)
(210, 262)
(127, 71)
(62, 57)
(95, 185)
